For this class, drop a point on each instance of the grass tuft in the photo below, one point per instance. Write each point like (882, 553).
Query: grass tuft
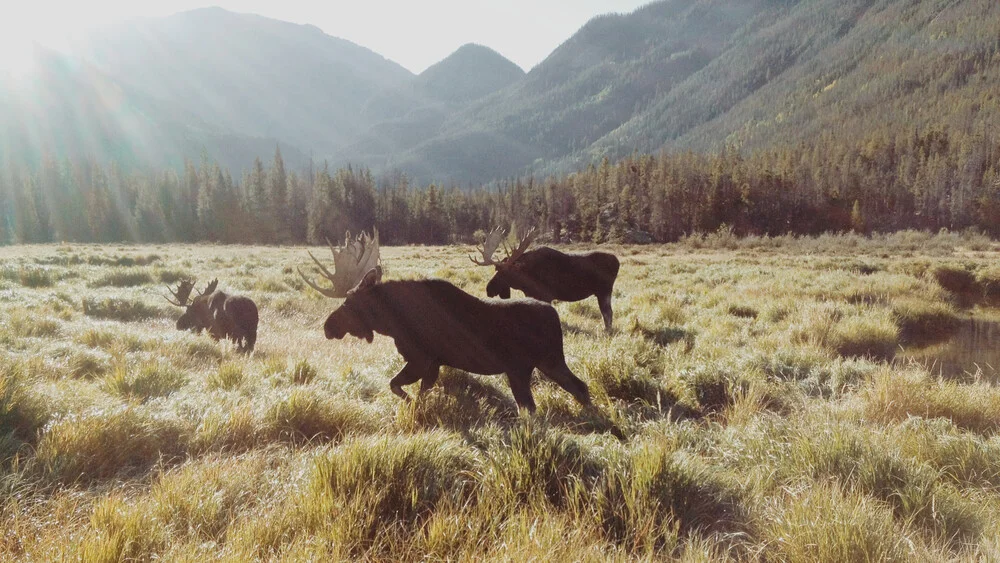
(123, 277)
(228, 377)
(101, 444)
(303, 416)
(121, 309)
(142, 382)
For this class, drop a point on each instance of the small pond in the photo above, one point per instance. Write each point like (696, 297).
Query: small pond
(971, 353)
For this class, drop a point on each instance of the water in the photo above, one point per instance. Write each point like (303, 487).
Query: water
(971, 353)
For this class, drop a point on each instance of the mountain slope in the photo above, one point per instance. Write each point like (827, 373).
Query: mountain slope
(589, 86)
(471, 72)
(700, 74)
(249, 74)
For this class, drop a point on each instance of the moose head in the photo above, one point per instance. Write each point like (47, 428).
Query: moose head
(507, 269)
(357, 270)
(200, 311)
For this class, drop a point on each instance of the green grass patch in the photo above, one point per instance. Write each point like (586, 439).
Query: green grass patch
(121, 309)
(123, 277)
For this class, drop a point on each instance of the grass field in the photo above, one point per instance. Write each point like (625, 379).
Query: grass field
(748, 406)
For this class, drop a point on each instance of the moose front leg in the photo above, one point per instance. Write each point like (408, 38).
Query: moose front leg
(410, 373)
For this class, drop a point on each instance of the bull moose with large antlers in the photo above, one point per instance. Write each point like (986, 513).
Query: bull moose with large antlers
(233, 317)
(548, 275)
(434, 324)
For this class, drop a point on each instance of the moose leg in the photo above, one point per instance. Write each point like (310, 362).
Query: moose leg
(429, 378)
(410, 373)
(558, 371)
(520, 386)
(604, 302)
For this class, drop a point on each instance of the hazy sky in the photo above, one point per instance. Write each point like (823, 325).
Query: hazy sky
(414, 33)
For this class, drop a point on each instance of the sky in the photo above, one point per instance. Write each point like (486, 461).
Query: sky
(413, 33)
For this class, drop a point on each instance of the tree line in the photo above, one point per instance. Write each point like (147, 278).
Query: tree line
(927, 180)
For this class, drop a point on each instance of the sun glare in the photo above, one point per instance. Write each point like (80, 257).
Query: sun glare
(16, 49)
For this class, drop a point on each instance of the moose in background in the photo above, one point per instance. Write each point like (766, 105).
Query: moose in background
(233, 317)
(548, 275)
(434, 324)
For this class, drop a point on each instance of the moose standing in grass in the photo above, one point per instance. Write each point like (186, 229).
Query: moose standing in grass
(233, 317)
(434, 324)
(549, 275)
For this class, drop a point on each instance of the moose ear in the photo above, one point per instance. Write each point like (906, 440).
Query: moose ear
(372, 278)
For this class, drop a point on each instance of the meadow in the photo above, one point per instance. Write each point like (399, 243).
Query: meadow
(754, 402)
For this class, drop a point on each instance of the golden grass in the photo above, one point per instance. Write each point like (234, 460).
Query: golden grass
(747, 407)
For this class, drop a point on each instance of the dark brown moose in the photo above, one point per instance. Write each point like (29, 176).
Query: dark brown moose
(434, 324)
(548, 275)
(233, 317)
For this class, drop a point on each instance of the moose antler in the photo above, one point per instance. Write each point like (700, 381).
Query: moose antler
(182, 294)
(523, 245)
(489, 248)
(210, 288)
(350, 264)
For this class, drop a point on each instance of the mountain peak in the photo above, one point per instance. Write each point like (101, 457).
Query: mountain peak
(471, 72)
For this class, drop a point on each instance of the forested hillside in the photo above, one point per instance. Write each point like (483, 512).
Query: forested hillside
(685, 74)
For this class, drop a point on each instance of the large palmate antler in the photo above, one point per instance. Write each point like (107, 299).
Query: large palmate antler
(350, 264)
(489, 248)
(522, 246)
(182, 294)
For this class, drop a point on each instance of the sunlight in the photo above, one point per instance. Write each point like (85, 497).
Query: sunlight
(21, 34)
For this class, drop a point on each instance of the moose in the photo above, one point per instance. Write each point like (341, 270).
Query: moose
(548, 275)
(233, 317)
(434, 324)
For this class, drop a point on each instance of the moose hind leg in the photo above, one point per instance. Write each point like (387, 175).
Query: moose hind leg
(430, 378)
(558, 371)
(520, 386)
(604, 302)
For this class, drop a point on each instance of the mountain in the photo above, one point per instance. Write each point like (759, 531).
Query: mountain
(471, 72)
(702, 74)
(590, 85)
(249, 74)
(676, 74)
(66, 108)
(415, 112)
